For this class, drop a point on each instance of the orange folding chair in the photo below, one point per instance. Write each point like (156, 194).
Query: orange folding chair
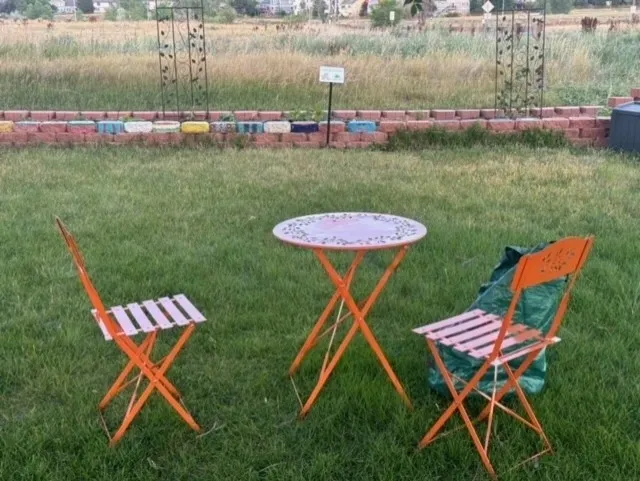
(497, 341)
(148, 317)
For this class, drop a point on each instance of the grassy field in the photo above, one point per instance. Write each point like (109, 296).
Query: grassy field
(108, 65)
(153, 222)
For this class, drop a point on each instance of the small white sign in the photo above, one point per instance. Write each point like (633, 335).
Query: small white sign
(334, 75)
(486, 17)
(632, 8)
(392, 15)
(487, 7)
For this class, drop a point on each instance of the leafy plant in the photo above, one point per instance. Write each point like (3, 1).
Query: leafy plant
(380, 15)
(228, 117)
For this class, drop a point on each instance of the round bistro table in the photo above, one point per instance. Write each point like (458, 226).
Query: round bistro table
(359, 232)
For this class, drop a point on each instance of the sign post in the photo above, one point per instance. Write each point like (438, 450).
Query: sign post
(331, 75)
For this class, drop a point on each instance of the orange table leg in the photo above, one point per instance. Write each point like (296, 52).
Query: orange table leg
(343, 285)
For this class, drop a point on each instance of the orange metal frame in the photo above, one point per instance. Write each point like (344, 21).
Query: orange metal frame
(359, 314)
(563, 258)
(139, 356)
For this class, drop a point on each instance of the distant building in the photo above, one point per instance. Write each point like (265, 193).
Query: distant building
(273, 7)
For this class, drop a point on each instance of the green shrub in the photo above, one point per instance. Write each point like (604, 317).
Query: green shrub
(225, 14)
(380, 14)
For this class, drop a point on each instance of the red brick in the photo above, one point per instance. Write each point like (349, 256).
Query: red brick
(501, 125)
(282, 145)
(42, 138)
(358, 145)
(467, 114)
(65, 115)
(16, 115)
(582, 142)
(441, 114)
(30, 127)
(14, 137)
(272, 115)
(338, 145)
(418, 114)
(96, 138)
(593, 132)
(613, 101)
(447, 124)
(176, 138)
(568, 111)
(527, 124)
(589, 110)
(394, 114)
(53, 126)
(347, 137)
(127, 138)
(369, 114)
(267, 138)
(96, 115)
(317, 137)
(392, 126)
(198, 115)
(635, 93)
(147, 115)
(118, 115)
(603, 121)
(465, 124)
(69, 138)
(344, 114)
(544, 112)
(40, 115)
(491, 113)
(246, 115)
(572, 133)
(419, 124)
(217, 115)
(556, 123)
(581, 122)
(308, 145)
(335, 127)
(170, 115)
(295, 136)
(375, 137)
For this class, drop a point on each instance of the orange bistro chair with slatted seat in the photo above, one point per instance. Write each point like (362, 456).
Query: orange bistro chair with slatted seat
(121, 324)
(496, 341)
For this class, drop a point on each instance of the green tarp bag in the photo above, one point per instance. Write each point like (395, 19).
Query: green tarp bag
(537, 308)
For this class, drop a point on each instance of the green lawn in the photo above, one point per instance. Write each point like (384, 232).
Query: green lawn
(155, 222)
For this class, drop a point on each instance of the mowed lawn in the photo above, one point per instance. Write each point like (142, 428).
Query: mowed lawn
(157, 222)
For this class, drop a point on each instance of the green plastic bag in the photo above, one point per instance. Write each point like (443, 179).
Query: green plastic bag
(537, 308)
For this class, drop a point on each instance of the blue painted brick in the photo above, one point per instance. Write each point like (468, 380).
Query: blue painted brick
(361, 126)
(304, 127)
(249, 127)
(110, 127)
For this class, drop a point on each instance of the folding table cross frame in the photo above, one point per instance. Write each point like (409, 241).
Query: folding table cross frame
(359, 314)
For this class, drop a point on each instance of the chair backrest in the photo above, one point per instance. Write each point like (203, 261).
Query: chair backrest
(562, 259)
(112, 327)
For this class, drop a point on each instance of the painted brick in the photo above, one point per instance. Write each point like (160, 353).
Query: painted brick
(42, 115)
(613, 101)
(277, 127)
(6, 126)
(223, 127)
(568, 111)
(14, 137)
(347, 137)
(501, 125)
(92, 115)
(246, 115)
(53, 126)
(447, 124)
(603, 121)
(589, 110)
(344, 114)
(16, 115)
(556, 123)
(572, 133)
(81, 126)
(110, 127)
(246, 127)
(394, 114)
(370, 114)
(593, 132)
(195, 127)
(149, 116)
(390, 126)
(465, 124)
(27, 126)
(271, 115)
(581, 122)
(361, 126)
(138, 127)
(375, 137)
(306, 127)
(419, 124)
(65, 115)
(336, 126)
(635, 93)
(467, 114)
(528, 124)
(293, 137)
(544, 112)
(48, 138)
(441, 114)
(165, 126)
(418, 114)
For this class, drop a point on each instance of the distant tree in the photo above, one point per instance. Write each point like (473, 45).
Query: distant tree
(560, 6)
(7, 6)
(318, 10)
(246, 7)
(364, 9)
(85, 6)
(380, 14)
(38, 9)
